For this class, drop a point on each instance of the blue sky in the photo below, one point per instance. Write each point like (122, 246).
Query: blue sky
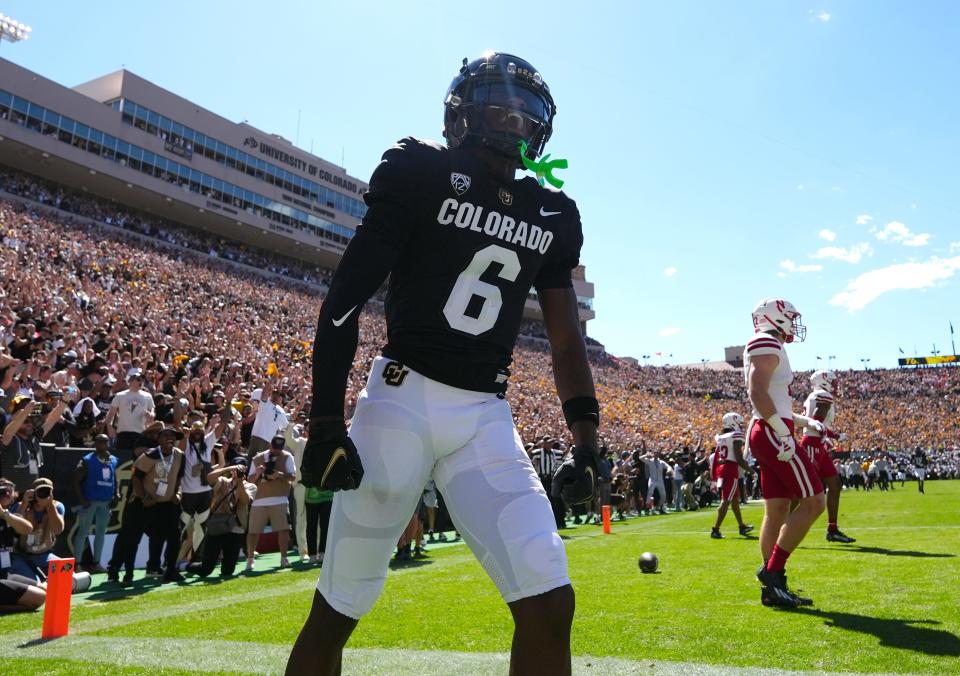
(719, 152)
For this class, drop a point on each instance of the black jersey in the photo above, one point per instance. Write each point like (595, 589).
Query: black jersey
(919, 458)
(472, 248)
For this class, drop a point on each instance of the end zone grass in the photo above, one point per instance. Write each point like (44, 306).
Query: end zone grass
(888, 603)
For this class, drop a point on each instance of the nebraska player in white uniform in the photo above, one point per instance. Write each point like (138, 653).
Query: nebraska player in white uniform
(785, 476)
(819, 405)
(729, 458)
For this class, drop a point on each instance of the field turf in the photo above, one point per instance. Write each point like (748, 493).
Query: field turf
(889, 603)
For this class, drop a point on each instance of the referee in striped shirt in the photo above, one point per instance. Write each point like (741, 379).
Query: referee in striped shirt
(546, 458)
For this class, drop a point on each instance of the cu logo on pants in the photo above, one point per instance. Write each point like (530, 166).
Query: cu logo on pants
(394, 374)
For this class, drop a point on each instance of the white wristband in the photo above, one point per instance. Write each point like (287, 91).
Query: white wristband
(778, 426)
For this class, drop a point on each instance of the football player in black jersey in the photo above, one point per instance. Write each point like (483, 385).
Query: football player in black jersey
(920, 467)
(463, 241)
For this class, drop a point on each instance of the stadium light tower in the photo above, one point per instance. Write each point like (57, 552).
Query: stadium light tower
(12, 30)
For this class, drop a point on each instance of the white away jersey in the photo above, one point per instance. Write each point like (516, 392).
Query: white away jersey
(725, 444)
(764, 343)
(814, 399)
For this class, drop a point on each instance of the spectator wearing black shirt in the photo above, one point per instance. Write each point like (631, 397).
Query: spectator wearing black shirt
(63, 425)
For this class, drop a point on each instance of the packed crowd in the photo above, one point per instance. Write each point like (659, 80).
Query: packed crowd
(89, 313)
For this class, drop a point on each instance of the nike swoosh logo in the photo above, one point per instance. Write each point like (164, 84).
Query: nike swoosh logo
(549, 213)
(337, 456)
(338, 322)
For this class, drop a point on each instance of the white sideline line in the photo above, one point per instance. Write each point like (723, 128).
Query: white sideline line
(243, 657)
(853, 529)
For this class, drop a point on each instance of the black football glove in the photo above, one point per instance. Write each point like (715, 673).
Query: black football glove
(330, 460)
(576, 479)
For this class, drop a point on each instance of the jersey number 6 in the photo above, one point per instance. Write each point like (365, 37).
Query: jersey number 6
(469, 285)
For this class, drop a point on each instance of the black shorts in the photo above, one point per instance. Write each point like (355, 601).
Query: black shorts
(10, 592)
(194, 503)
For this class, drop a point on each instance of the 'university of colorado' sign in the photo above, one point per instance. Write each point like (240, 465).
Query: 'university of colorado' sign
(299, 165)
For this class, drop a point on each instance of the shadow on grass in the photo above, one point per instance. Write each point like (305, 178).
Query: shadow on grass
(113, 591)
(413, 563)
(34, 642)
(902, 634)
(861, 549)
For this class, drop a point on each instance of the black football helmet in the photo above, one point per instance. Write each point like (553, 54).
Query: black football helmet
(499, 100)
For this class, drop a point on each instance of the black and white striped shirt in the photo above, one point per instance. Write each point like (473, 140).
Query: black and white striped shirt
(545, 461)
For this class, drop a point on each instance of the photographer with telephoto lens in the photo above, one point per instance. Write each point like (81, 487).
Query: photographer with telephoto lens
(232, 495)
(16, 593)
(273, 471)
(35, 549)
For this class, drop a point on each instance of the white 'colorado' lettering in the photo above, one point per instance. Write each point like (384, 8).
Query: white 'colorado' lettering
(465, 215)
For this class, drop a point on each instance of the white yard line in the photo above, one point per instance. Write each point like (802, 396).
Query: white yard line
(242, 657)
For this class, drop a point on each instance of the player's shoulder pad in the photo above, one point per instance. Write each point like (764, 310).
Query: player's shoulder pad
(550, 198)
(822, 395)
(408, 159)
(764, 343)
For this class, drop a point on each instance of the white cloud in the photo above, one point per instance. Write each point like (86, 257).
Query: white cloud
(790, 266)
(869, 286)
(852, 255)
(864, 219)
(823, 16)
(670, 271)
(895, 231)
(954, 246)
(669, 331)
(828, 235)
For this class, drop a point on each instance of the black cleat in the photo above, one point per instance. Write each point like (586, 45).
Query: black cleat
(773, 597)
(715, 534)
(745, 528)
(838, 536)
(802, 600)
(775, 592)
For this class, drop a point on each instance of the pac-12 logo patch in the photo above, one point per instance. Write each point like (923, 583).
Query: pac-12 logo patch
(394, 373)
(460, 182)
(505, 196)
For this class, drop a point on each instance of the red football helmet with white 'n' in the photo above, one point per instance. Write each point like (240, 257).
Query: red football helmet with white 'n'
(824, 380)
(779, 314)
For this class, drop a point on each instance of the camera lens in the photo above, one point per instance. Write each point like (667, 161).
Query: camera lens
(43, 492)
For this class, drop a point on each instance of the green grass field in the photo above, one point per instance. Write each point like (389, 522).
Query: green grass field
(888, 603)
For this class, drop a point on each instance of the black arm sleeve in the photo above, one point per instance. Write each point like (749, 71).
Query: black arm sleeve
(368, 259)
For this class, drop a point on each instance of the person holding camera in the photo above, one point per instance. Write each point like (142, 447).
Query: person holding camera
(20, 454)
(155, 505)
(96, 485)
(12, 525)
(35, 549)
(232, 495)
(16, 593)
(273, 471)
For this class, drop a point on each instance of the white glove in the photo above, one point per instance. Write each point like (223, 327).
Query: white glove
(788, 449)
(842, 437)
(812, 423)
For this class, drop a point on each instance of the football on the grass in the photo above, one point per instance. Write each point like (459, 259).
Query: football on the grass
(649, 562)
